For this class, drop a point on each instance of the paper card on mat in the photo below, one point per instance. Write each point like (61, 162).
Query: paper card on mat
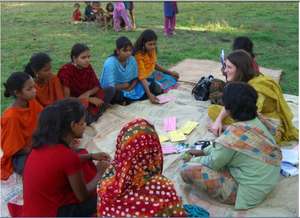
(290, 156)
(176, 136)
(170, 124)
(163, 138)
(169, 149)
(188, 127)
(165, 99)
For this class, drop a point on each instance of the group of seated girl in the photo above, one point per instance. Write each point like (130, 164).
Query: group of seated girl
(38, 87)
(241, 168)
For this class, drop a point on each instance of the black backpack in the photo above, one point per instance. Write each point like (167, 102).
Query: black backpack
(201, 89)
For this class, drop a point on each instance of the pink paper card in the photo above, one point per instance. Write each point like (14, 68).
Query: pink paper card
(169, 149)
(165, 99)
(170, 124)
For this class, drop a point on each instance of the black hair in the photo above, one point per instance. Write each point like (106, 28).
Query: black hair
(122, 42)
(243, 42)
(36, 63)
(77, 49)
(15, 82)
(109, 7)
(55, 122)
(240, 100)
(243, 63)
(77, 5)
(146, 36)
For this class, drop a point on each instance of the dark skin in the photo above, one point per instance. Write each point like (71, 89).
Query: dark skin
(83, 61)
(123, 54)
(150, 46)
(24, 95)
(84, 191)
(44, 74)
(193, 153)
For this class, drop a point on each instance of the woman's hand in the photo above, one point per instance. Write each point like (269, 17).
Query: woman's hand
(131, 85)
(153, 99)
(95, 101)
(195, 152)
(75, 143)
(174, 74)
(216, 127)
(101, 156)
(102, 167)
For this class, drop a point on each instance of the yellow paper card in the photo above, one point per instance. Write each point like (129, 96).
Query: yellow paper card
(188, 127)
(163, 138)
(176, 136)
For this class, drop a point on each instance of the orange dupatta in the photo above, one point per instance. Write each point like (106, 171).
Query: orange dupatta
(17, 126)
(49, 92)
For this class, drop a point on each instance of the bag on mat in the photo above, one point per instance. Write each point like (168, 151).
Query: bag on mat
(201, 89)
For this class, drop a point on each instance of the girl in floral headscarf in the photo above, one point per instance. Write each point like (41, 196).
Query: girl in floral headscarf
(134, 185)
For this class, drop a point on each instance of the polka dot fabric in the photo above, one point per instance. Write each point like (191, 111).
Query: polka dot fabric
(133, 184)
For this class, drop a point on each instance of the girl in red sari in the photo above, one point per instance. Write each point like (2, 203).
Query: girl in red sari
(134, 185)
(79, 80)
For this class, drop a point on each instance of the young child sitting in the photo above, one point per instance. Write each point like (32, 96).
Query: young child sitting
(109, 15)
(48, 86)
(18, 123)
(88, 13)
(76, 16)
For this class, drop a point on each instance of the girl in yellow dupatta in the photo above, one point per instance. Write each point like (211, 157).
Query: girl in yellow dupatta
(270, 103)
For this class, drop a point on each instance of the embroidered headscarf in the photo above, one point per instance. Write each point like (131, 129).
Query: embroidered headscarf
(133, 185)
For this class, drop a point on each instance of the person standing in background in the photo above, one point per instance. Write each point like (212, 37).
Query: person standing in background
(170, 11)
(129, 5)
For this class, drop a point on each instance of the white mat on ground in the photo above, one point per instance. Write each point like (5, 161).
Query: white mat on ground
(282, 202)
(191, 70)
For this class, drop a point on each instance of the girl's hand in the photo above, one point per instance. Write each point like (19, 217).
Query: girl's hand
(175, 75)
(102, 167)
(216, 127)
(75, 143)
(187, 157)
(195, 152)
(153, 99)
(84, 95)
(95, 101)
(101, 156)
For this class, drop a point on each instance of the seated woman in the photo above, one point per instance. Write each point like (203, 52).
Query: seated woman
(270, 103)
(79, 80)
(18, 122)
(120, 72)
(63, 190)
(48, 86)
(134, 185)
(154, 78)
(243, 165)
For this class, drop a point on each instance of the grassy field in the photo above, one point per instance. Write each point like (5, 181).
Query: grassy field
(202, 30)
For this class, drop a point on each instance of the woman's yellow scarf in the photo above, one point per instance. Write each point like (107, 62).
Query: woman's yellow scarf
(269, 88)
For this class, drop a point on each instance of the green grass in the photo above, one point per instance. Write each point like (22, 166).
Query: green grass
(202, 30)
